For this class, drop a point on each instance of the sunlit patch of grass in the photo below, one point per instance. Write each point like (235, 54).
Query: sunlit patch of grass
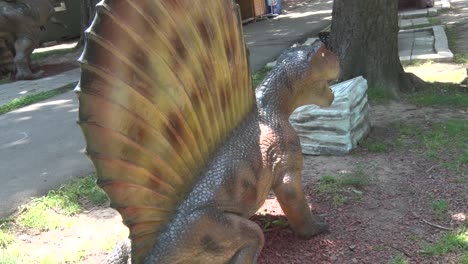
(45, 54)
(400, 259)
(344, 188)
(456, 242)
(8, 256)
(259, 75)
(34, 98)
(44, 213)
(5, 239)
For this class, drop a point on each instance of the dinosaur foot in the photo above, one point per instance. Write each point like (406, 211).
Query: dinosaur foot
(31, 76)
(317, 226)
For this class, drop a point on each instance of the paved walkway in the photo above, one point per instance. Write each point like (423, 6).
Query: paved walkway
(420, 38)
(41, 147)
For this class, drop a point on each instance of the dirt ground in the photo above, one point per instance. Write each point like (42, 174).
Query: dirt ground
(386, 221)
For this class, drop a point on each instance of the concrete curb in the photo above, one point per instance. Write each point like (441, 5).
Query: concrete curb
(441, 53)
(18, 89)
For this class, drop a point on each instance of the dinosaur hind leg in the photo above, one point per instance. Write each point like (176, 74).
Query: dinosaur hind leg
(213, 237)
(251, 242)
(230, 239)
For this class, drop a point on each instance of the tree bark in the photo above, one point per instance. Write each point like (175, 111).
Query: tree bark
(364, 35)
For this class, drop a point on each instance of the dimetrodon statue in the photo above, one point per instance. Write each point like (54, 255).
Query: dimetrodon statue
(182, 144)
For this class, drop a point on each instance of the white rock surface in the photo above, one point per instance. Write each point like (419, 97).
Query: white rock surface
(337, 129)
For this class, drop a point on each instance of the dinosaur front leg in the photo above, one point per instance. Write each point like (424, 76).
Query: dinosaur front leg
(24, 46)
(288, 191)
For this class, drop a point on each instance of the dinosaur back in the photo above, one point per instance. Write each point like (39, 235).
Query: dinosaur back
(163, 83)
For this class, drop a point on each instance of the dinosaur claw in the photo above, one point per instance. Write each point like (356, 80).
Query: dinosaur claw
(318, 226)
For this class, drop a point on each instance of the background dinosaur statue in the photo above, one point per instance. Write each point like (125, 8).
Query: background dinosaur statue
(20, 24)
(182, 144)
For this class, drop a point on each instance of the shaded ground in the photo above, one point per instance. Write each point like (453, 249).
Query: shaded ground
(386, 221)
(370, 223)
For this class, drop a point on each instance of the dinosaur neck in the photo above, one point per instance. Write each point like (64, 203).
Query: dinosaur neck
(275, 95)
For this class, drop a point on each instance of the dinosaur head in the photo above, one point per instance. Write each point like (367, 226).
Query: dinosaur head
(315, 67)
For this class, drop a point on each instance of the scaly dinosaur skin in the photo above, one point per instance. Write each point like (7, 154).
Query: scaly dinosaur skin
(181, 144)
(263, 154)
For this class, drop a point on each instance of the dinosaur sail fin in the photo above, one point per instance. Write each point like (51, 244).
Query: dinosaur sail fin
(163, 83)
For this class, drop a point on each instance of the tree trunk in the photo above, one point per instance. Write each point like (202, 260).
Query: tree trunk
(364, 35)
(88, 10)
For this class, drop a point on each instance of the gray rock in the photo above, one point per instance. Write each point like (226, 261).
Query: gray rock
(337, 129)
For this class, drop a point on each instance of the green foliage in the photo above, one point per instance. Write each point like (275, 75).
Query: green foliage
(31, 99)
(399, 260)
(456, 241)
(259, 75)
(45, 54)
(44, 212)
(440, 208)
(343, 189)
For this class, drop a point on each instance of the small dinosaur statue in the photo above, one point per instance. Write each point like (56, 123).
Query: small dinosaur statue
(184, 147)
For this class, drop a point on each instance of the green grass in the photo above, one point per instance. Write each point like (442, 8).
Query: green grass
(31, 99)
(440, 208)
(44, 213)
(452, 36)
(448, 139)
(445, 142)
(378, 94)
(9, 257)
(399, 260)
(5, 239)
(460, 58)
(45, 54)
(453, 242)
(343, 189)
(434, 21)
(259, 75)
(375, 147)
(441, 94)
(464, 258)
